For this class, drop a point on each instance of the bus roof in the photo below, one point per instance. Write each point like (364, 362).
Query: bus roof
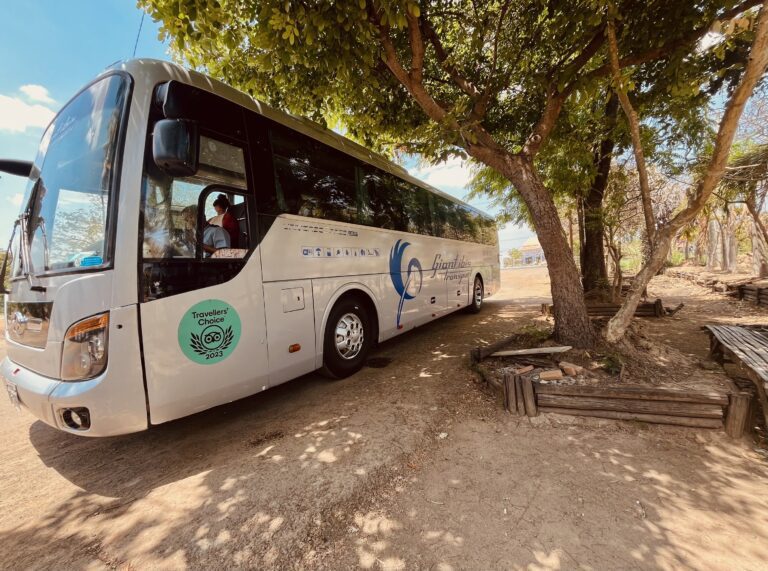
(301, 124)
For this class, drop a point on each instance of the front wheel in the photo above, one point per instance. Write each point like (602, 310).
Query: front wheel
(478, 293)
(347, 339)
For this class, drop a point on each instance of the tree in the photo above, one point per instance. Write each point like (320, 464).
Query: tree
(753, 72)
(488, 79)
(514, 257)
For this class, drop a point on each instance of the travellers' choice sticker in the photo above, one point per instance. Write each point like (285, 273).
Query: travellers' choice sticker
(209, 331)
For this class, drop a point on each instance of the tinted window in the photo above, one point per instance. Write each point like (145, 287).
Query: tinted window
(416, 203)
(313, 179)
(381, 205)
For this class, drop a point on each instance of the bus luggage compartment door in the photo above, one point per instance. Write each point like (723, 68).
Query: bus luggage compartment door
(291, 329)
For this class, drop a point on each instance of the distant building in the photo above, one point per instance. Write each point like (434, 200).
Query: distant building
(532, 252)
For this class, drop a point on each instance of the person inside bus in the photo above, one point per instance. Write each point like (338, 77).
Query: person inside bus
(214, 237)
(224, 219)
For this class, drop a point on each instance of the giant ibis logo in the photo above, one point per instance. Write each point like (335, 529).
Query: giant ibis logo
(409, 288)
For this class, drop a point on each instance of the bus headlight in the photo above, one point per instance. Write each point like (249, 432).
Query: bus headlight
(85, 348)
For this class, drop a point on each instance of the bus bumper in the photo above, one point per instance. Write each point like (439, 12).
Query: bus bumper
(51, 399)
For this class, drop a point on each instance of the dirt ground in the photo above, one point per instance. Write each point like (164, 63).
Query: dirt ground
(407, 465)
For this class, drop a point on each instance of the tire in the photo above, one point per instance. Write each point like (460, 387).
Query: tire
(478, 294)
(345, 354)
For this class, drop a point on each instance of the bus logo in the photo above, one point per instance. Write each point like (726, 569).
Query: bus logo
(413, 281)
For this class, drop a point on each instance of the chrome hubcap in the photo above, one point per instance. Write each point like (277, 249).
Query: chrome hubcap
(349, 336)
(478, 293)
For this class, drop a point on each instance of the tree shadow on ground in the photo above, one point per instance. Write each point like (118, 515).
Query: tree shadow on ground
(265, 481)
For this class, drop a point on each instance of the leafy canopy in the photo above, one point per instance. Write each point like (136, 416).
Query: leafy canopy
(491, 68)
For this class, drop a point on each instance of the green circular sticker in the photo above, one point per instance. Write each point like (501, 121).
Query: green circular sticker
(209, 331)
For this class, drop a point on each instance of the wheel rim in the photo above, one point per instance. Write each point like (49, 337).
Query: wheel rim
(349, 336)
(478, 293)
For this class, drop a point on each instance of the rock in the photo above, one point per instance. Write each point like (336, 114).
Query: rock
(551, 375)
(570, 369)
(709, 365)
(523, 370)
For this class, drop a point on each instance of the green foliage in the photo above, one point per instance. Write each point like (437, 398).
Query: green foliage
(514, 257)
(324, 59)
(613, 363)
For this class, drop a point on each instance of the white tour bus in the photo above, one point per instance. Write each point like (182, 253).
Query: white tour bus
(134, 300)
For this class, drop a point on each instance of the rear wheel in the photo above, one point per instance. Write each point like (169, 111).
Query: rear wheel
(478, 292)
(347, 340)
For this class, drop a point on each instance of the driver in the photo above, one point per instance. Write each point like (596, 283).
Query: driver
(214, 237)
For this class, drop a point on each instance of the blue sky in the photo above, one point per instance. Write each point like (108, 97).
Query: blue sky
(50, 48)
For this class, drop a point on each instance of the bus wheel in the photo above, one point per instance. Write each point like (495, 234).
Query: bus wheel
(348, 339)
(477, 296)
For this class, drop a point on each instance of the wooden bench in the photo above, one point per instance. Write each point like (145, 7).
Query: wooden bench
(746, 347)
(600, 309)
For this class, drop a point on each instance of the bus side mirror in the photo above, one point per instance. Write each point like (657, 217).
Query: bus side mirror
(175, 146)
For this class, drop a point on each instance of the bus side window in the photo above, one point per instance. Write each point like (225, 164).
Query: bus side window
(313, 179)
(381, 205)
(172, 223)
(417, 210)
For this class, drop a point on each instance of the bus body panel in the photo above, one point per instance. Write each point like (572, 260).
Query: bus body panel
(178, 386)
(115, 399)
(70, 298)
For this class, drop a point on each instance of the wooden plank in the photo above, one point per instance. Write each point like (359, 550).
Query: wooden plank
(479, 353)
(652, 418)
(633, 405)
(532, 351)
(736, 418)
(519, 395)
(529, 397)
(510, 396)
(646, 393)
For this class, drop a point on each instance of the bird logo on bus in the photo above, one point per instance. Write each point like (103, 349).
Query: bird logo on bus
(409, 288)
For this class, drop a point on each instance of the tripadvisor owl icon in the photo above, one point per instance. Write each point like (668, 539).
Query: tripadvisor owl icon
(209, 331)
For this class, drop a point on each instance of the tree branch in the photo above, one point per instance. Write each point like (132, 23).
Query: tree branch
(417, 49)
(481, 105)
(546, 123)
(634, 130)
(669, 47)
(442, 58)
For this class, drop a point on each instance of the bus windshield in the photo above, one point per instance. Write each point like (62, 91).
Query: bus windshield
(72, 180)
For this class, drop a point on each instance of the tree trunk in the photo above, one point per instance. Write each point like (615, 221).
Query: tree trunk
(723, 246)
(572, 325)
(713, 245)
(759, 252)
(593, 268)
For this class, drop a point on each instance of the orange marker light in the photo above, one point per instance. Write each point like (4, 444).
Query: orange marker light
(293, 348)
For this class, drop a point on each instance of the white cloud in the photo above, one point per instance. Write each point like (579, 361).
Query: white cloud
(453, 173)
(17, 116)
(16, 199)
(36, 93)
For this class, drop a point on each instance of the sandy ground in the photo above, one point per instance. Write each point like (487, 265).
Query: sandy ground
(407, 466)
